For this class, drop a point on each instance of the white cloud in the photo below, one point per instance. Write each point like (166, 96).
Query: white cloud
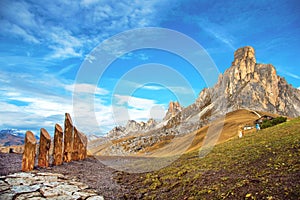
(33, 96)
(285, 72)
(133, 108)
(88, 2)
(135, 102)
(86, 88)
(51, 22)
(18, 31)
(292, 75)
(153, 87)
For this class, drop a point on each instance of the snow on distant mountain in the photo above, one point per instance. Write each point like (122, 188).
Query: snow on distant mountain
(10, 137)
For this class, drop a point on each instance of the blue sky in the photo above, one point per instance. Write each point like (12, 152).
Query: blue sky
(44, 43)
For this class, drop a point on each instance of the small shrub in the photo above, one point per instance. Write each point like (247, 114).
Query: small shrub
(273, 122)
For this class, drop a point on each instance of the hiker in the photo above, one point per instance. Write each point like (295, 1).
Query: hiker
(240, 132)
(257, 127)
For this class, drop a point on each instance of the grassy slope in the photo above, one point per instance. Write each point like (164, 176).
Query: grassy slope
(191, 141)
(261, 165)
(194, 140)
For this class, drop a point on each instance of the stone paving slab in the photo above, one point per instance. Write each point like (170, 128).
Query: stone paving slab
(38, 186)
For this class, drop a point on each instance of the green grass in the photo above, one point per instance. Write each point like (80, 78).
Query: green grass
(261, 165)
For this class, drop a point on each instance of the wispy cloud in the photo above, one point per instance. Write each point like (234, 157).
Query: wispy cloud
(293, 75)
(86, 88)
(34, 91)
(287, 73)
(217, 32)
(153, 87)
(50, 22)
(133, 108)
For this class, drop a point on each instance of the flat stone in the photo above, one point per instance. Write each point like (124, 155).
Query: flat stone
(20, 175)
(49, 192)
(4, 188)
(45, 179)
(64, 189)
(84, 195)
(37, 198)
(25, 188)
(67, 189)
(95, 198)
(18, 181)
(7, 196)
(62, 197)
(50, 174)
(28, 195)
(52, 184)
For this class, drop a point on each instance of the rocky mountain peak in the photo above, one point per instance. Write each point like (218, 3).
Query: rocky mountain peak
(247, 84)
(243, 65)
(243, 54)
(174, 108)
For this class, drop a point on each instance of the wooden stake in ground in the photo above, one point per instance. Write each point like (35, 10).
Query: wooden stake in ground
(82, 146)
(79, 145)
(76, 144)
(58, 145)
(68, 138)
(29, 152)
(45, 142)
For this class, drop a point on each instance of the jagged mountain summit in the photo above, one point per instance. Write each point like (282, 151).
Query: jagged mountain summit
(244, 85)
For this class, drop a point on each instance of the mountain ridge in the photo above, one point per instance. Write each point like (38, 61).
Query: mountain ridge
(246, 84)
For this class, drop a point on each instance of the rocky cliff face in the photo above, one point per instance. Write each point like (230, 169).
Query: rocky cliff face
(174, 108)
(132, 127)
(247, 84)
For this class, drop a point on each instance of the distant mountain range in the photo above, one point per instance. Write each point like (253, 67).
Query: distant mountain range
(12, 137)
(244, 85)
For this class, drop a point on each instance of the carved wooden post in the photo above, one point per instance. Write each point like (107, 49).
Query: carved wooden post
(76, 145)
(83, 146)
(45, 142)
(58, 145)
(68, 138)
(29, 152)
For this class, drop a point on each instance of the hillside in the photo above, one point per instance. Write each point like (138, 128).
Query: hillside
(186, 142)
(262, 165)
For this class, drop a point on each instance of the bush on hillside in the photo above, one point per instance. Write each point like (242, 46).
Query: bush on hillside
(273, 122)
